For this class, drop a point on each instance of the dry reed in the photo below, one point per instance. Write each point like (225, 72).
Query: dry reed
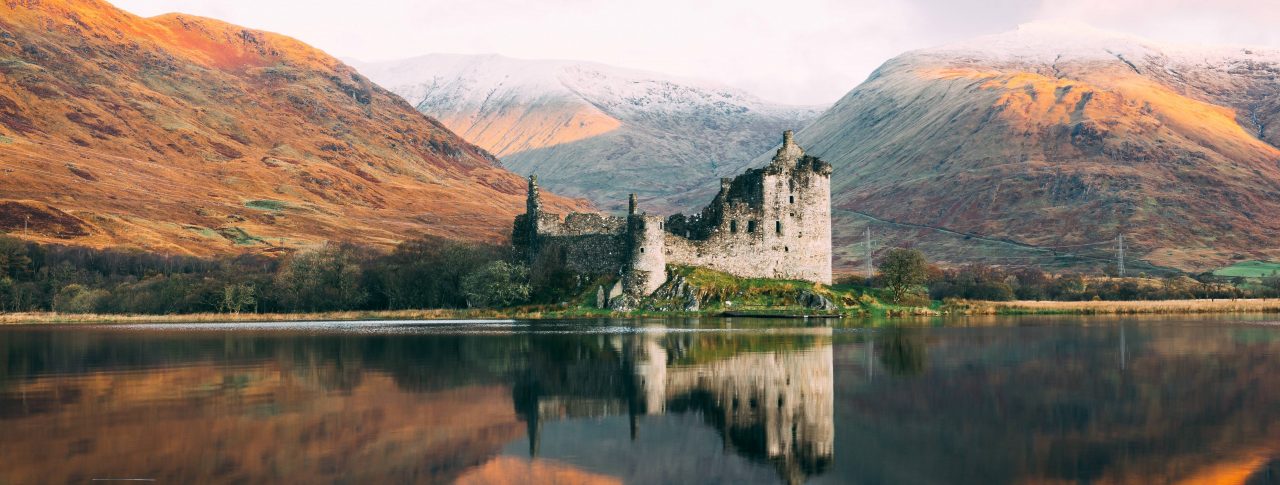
(967, 307)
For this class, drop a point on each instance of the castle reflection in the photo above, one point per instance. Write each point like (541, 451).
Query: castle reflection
(769, 396)
(1043, 401)
(199, 407)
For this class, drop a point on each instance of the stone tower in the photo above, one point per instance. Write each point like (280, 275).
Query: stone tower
(770, 222)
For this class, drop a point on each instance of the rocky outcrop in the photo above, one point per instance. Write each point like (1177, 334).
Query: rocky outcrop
(814, 301)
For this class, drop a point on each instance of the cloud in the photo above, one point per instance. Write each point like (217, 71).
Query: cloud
(799, 51)
(1233, 22)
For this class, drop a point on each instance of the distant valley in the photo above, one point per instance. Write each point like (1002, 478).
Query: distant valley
(592, 130)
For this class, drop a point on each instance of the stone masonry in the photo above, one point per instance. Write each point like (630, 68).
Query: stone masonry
(771, 222)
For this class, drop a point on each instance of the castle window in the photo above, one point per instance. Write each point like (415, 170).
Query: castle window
(751, 226)
(777, 227)
(733, 227)
(793, 199)
(786, 249)
(641, 250)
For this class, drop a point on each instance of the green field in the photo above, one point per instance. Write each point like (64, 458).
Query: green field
(266, 205)
(1249, 269)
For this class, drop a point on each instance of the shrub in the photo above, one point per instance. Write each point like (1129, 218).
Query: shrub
(497, 284)
(76, 298)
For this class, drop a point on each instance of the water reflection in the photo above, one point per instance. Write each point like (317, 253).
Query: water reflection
(270, 407)
(1040, 401)
(1124, 402)
(769, 396)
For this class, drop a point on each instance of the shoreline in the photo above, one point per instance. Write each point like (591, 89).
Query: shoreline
(1128, 307)
(948, 308)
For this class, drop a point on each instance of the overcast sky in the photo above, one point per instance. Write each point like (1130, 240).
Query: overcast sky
(793, 51)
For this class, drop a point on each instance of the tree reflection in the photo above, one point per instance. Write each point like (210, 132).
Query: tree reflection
(901, 351)
(285, 401)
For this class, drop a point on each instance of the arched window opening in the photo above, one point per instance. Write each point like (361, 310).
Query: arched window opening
(751, 226)
(733, 227)
(777, 227)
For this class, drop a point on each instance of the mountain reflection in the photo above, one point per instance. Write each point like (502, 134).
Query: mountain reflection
(711, 401)
(201, 407)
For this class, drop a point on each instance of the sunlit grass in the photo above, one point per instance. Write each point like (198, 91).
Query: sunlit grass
(968, 307)
(1249, 269)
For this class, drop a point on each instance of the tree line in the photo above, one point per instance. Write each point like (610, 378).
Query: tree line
(911, 279)
(432, 272)
(428, 272)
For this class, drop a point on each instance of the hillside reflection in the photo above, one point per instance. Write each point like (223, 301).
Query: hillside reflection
(1165, 403)
(1041, 402)
(200, 407)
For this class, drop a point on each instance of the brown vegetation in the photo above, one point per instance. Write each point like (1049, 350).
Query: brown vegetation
(972, 307)
(1058, 153)
(150, 133)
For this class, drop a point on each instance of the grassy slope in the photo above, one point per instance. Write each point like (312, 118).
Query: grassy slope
(1249, 269)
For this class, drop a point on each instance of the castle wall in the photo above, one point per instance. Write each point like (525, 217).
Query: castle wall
(772, 222)
(648, 268)
(589, 254)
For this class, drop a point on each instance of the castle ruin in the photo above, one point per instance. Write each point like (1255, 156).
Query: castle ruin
(771, 222)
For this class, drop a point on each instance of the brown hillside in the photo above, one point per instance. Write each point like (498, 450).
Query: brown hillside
(188, 135)
(1060, 139)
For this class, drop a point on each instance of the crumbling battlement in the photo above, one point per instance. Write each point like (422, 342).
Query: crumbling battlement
(770, 222)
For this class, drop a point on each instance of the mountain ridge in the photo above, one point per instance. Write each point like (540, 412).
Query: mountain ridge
(189, 135)
(588, 129)
(999, 137)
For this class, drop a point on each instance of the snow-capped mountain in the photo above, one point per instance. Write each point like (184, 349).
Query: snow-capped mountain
(1061, 135)
(593, 130)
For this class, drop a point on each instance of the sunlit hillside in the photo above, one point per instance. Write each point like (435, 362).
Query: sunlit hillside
(183, 134)
(1060, 138)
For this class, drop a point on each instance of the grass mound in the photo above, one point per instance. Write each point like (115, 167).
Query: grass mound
(266, 205)
(1249, 269)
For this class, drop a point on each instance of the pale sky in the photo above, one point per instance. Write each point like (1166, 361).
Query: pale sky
(791, 51)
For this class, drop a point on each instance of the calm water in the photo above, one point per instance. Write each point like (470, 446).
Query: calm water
(1029, 400)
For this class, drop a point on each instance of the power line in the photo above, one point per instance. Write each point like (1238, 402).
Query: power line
(870, 274)
(1120, 254)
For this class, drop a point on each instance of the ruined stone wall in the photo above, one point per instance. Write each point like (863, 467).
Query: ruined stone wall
(579, 224)
(588, 254)
(771, 222)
